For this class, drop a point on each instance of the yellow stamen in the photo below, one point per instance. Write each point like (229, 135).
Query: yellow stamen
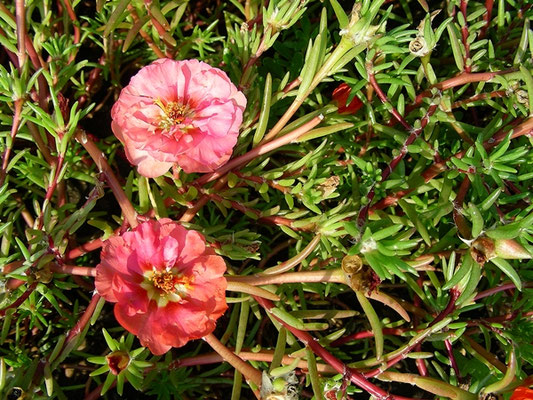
(174, 113)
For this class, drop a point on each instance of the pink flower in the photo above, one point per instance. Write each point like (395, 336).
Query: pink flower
(167, 285)
(178, 112)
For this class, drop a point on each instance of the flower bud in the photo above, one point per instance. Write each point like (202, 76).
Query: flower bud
(340, 96)
(359, 30)
(484, 249)
(510, 249)
(117, 361)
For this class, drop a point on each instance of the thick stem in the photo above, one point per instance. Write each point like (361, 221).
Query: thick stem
(250, 373)
(73, 270)
(263, 355)
(21, 31)
(242, 287)
(331, 275)
(84, 249)
(101, 162)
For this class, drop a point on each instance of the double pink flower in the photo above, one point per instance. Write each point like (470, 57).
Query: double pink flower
(183, 113)
(168, 286)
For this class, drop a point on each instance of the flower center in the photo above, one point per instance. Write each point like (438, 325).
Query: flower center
(168, 285)
(164, 281)
(174, 113)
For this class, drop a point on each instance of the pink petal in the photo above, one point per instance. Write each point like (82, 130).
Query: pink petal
(146, 165)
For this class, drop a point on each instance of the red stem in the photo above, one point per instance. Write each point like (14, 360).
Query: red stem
(73, 270)
(523, 128)
(84, 248)
(74, 19)
(83, 321)
(455, 367)
(458, 217)
(458, 80)
(384, 99)
(144, 35)
(367, 334)
(21, 31)
(272, 220)
(487, 17)
(454, 295)
(160, 29)
(500, 288)
(352, 374)
(14, 129)
(99, 159)
(51, 187)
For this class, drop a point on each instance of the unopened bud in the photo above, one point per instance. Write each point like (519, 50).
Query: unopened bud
(510, 249)
(484, 249)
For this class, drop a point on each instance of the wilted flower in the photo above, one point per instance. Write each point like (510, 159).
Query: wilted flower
(283, 387)
(168, 286)
(117, 361)
(178, 112)
(340, 97)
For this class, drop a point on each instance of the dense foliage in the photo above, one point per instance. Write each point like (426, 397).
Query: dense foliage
(374, 247)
